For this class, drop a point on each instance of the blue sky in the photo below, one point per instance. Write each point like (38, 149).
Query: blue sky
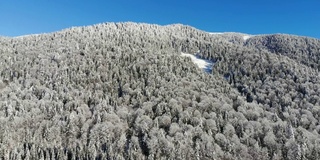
(300, 17)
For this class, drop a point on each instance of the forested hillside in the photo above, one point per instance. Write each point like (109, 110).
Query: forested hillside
(123, 91)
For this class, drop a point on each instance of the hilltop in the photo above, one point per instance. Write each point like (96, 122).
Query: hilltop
(124, 91)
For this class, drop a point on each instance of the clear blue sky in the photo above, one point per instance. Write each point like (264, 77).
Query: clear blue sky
(300, 17)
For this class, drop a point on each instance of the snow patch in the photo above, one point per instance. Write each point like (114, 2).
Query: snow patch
(246, 37)
(228, 34)
(212, 33)
(206, 65)
(28, 35)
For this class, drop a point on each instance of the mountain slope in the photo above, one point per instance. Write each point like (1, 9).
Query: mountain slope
(302, 49)
(123, 91)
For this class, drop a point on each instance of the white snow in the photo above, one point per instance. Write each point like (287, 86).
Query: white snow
(28, 35)
(206, 65)
(215, 33)
(246, 37)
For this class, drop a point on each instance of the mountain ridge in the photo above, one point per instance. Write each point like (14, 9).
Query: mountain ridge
(167, 25)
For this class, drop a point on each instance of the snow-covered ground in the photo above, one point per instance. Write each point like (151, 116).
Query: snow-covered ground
(246, 37)
(213, 33)
(206, 65)
(243, 35)
(28, 35)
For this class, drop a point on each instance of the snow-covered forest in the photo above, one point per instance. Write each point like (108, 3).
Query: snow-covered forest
(125, 91)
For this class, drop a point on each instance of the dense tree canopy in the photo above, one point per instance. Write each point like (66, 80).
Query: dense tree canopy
(122, 91)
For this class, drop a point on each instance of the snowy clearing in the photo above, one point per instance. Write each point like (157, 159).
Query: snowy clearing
(246, 37)
(206, 65)
(212, 33)
(27, 35)
(243, 35)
